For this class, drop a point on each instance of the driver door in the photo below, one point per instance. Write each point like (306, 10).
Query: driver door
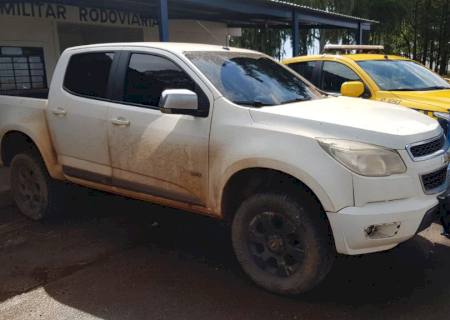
(151, 152)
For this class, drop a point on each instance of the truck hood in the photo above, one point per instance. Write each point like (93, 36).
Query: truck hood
(352, 119)
(435, 100)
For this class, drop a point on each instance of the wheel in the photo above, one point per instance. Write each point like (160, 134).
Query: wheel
(32, 188)
(282, 244)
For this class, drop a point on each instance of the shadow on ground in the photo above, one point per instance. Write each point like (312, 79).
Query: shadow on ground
(113, 258)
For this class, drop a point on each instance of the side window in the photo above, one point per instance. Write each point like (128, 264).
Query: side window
(148, 76)
(334, 74)
(306, 69)
(87, 74)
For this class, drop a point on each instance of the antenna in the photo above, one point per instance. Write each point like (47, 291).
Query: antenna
(228, 40)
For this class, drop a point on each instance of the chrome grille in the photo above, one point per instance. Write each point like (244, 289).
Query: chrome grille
(432, 181)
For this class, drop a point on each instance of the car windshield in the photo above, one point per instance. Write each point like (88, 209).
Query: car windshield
(252, 79)
(402, 75)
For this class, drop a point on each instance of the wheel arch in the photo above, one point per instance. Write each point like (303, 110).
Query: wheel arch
(16, 140)
(255, 177)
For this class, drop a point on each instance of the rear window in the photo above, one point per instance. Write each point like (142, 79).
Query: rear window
(87, 74)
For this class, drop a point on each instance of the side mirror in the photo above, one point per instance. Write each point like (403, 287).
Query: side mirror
(353, 89)
(178, 101)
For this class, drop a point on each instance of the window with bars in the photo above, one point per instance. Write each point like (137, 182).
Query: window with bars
(22, 72)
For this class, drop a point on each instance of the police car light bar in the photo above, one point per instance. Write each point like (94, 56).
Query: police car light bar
(351, 47)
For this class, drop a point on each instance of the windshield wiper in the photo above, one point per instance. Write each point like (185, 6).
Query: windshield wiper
(295, 100)
(434, 88)
(421, 89)
(255, 104)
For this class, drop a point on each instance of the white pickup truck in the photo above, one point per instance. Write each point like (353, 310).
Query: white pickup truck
(232, 134)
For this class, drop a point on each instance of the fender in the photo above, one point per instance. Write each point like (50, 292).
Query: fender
(41, 138)
(264, 163)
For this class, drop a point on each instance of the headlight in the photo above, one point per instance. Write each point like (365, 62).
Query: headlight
(364, 159)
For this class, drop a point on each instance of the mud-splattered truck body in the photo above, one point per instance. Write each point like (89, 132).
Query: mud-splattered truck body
(232, 134)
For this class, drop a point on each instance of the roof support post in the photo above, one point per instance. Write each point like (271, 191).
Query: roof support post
(359, 34)
(295, 34)
(163, 21)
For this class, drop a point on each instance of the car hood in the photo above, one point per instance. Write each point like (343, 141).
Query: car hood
(435, 100)
(353, 119)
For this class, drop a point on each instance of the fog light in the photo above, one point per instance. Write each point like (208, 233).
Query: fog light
(382, 231)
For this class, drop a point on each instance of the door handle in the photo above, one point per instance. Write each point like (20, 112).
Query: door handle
(59, 112)
(121, 122)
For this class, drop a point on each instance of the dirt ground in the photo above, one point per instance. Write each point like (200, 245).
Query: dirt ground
(5, 198)
(108, 257)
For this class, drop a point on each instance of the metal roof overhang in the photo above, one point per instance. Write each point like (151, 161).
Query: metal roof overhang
(235, 13)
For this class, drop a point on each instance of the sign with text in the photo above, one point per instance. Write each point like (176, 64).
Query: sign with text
(73, 14)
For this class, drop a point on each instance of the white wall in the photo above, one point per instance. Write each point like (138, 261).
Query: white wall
(31, 32)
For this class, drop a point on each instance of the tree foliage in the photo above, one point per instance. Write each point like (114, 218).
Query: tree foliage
(419, 29)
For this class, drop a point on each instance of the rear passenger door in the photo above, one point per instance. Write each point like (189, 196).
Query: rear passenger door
(78, 114)
(154, 153)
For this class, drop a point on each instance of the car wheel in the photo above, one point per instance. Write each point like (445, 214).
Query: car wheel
(283, 244)
(32, 188)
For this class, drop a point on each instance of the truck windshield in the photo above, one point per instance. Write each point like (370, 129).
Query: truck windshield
(401, 75)
(252, 79)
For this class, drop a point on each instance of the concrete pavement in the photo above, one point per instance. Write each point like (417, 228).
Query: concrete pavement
(107, 257)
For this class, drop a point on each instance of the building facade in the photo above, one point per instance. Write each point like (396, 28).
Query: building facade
(32, 36)
(34, 33)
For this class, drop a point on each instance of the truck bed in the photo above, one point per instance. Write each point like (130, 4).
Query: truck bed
(25, 115)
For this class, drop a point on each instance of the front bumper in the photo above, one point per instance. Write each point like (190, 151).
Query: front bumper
(382, 225)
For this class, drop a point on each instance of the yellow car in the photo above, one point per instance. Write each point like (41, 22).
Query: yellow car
(376, 76)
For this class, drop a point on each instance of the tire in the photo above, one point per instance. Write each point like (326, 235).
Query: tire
(284, 245)
(34, 192)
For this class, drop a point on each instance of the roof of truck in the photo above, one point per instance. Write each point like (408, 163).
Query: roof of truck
(177, 47)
